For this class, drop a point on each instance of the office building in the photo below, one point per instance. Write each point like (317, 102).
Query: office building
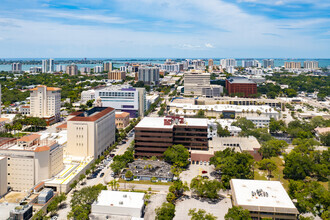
(195, 82)
(85, 70)
(212, 91)
(35, 69)
(16, 67)
(153, 135)
(268, 63)
(98, 69)
(263, 199)
(31, 160)
(149, 75)
(123, 68)
(173, 67)
(225, 63)
(122, 120)
(107, 66)
(72, 69)
(23, 212)
(48, 66)
(60, 68)
(241, 86)
(311, 64)
(118, 205)
(198, 64)
(3, 176)
(292, 65)
(250, 63)
(117, 75)
(87, 95)
(124, 99)
(45, 102)
(91, 132)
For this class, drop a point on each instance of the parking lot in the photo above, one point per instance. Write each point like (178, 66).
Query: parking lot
(195, 170)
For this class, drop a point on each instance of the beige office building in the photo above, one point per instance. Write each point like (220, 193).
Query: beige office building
(195, 82)
(3, 175)
(72, 70)
(31, 160)
(45, 102)
(107, 67)
(91, 132)
(117, 75)
(292, 65)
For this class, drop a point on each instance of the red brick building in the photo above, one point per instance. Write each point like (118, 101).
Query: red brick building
(241, 85)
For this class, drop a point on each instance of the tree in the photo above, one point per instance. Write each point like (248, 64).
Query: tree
(267, 164)
(128, 174)
(297, 166)
(325, 139)
(89, 103)
(178, 155)
(114, 184)
(276, 126)
(271, 95)
(40, 215)
(222, 132)
(170, 197)
(244, 124)
(165, 212)
(200, 215)
(52, 207)
(205, 188)
(272, 148)
(233, 164)
(178, 188)
(238, 213)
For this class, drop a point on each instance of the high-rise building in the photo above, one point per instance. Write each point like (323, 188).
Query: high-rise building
(35, 69)
(225, 63)
(48, 66)
(117, 75)
(241, 85)
(92, 132)
(107, 66)
(292, 65)
(60, 68)
(195, 82)
(16, 67)
(123, 98)
(250, 63)
(149, 75)
(311, 64)
(45, 103)
(211, 63)
(98, 69)
(268, 63)
(176, 67)
(85, 70)
(72, 70)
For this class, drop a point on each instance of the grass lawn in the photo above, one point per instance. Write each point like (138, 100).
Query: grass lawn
(146, 182)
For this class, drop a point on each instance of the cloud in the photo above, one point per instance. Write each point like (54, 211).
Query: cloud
(208, 45)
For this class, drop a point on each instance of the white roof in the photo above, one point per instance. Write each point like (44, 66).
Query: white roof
(120, 199)
(277, 196)
(158, 122)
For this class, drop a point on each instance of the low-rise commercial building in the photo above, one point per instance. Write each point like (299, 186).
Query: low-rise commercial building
(223, 111)
(259, 122)
(241, 86)
(212, 91)
(24, 110)
(115, 203)
(263, 199)
(30, 160)
(153, 135)
(87, 95)
(23, 212)
(122, 120)
(45, 195)
(91, 132)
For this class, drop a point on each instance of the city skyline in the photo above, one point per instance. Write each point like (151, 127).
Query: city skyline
(165, 28)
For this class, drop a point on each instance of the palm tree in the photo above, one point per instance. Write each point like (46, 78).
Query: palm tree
(8, 127)
(184, 111)
(114, 184)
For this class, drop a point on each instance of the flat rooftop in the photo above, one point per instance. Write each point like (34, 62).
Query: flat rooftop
(92, 114)
(158, 122)
(240, 80)
(261, 193)
(120, 199)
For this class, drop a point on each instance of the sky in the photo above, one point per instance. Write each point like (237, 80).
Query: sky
(165, 28)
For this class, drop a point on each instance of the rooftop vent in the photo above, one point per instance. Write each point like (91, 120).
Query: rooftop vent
(121, 203)
(125, 196)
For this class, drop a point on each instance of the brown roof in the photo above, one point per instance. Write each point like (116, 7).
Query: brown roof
(29, 138)
(25, 106)
(41, 149)
(63, 126)
(4, 119)
(122, 115)
(5, 140)
(201, 157)
(94, 117)
(48, 88)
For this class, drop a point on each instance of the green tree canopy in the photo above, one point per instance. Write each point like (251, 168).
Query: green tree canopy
(272, 148)
(165, 212)
(238, 213)
(205, 188)
(200, 215)
(177, 154)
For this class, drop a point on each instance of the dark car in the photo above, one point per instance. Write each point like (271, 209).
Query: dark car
(204, 171)
(102, 174)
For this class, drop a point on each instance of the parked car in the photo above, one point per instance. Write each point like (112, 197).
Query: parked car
(102, 174)
(204, 171)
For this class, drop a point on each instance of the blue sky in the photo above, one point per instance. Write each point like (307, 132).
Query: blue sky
(165, 28)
